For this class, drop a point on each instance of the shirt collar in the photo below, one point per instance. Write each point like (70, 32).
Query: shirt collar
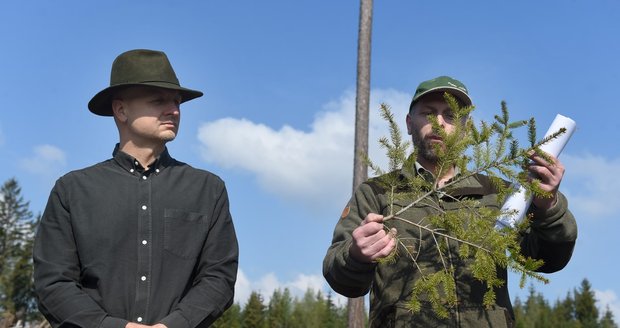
(470, 186)
(419, 169)
(132, 165)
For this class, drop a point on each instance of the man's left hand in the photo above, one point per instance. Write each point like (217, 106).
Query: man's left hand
(550, 175)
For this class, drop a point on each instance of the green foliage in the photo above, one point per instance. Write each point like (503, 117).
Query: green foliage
(585, 305)
(313, 310)
(607, 321)
(490, 149)
(280, 308)
(537, 313)
(230, 319)
(17, 299)
(253, 315)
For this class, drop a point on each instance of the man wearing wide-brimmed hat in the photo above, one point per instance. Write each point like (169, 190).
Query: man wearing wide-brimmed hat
(141, 239)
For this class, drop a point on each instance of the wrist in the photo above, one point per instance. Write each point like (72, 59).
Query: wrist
(545, 203)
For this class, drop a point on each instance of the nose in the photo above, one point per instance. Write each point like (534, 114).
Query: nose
(173, 108)
(441, 120)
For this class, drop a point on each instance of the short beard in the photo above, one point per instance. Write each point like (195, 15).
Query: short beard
(425, 149)
(168, 138)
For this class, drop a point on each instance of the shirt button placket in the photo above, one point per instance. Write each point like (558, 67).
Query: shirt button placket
(144, 248)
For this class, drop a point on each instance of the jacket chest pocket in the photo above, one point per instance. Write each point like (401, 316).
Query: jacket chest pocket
(184, 232)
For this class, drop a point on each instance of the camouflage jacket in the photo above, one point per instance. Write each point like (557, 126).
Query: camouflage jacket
(551, 237)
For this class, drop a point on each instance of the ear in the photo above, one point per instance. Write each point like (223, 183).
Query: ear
(409, 128)
(118, 109)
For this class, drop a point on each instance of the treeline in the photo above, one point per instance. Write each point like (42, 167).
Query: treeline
(314, 309)
(577, 310)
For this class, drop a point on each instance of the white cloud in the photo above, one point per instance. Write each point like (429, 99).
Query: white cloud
(312, 166)
(589, 184)
(268, 283)
(46, 160)
(608, 299)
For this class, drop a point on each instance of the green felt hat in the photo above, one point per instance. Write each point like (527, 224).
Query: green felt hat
(139, 67)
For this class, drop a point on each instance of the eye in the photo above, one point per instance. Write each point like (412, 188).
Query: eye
(157, 100)
(426, 112)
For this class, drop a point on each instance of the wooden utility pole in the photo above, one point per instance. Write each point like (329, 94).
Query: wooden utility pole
(362, 98)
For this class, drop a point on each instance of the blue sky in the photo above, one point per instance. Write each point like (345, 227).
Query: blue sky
(276, 121)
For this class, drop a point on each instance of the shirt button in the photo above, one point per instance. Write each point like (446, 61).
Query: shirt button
(144, 177)
(139, 319)
(143, 278)
(144, 207)
(157, 170)
(144, 242)
(131, 170)
(136, 162)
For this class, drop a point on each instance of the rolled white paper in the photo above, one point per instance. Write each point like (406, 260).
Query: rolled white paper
(519, 201)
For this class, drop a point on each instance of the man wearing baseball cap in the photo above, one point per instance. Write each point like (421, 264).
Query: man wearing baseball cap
(141, 239)
(361, 239)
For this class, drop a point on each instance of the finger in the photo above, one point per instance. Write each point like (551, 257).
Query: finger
(387, 247)
(366, 235)
(547, 173)
(553, 161)
(366, 247)
(373, 217)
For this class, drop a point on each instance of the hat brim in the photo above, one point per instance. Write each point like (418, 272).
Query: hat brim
(462, 96)
(101, 103)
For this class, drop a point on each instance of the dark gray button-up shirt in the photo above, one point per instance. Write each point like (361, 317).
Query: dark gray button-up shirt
(119, 243)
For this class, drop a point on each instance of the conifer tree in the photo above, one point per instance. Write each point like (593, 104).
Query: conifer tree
(585, 305)
(306, 312)
(17, 298)
(564, 312)
(253, 315)
(334, 317)
(280, 308)
(488, 148)
(607, 321)
(519, 312)
(231, 318)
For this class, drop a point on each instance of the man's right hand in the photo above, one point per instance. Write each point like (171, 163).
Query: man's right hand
(371, 241)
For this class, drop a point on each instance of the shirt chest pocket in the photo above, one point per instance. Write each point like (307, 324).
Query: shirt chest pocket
(184, 232)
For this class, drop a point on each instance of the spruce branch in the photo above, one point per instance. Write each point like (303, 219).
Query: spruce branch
(468, 229)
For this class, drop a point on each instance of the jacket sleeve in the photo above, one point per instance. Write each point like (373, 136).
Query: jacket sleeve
(344, 274)
(551, 236)
(57, 271)
(212, 290)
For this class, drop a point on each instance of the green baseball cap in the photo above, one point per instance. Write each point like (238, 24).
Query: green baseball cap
(442, 84)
